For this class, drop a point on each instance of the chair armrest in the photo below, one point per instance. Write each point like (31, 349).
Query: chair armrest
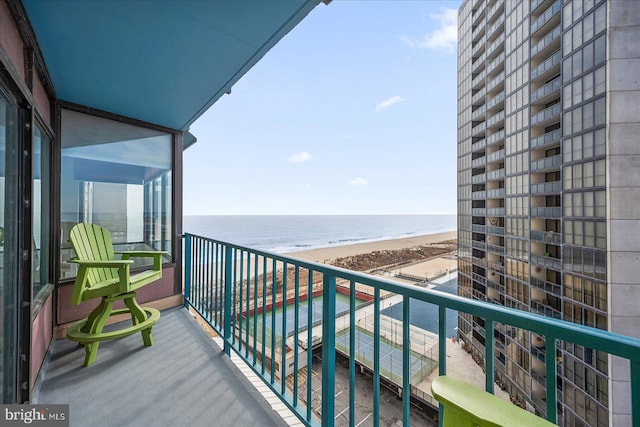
(156, 255)
(141, 253)
(112, 263)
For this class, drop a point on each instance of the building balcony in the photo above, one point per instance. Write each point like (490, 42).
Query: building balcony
(545, 92)
(549, 66)
(547, 17)
(478, 95)
(479, 129)
(549, 139)
(496, 100)
(554, 212)
(493, 47)
(546, 116)
(496, 137)
(546, 261)
(479, 145)
(186, 378)
(478, 228)
(478, 195)
(479, 113)
(496, 193)
(552, 187)
(498, 231)
(496, 174)
(547, 163)
(549, 43)
(497, 25)
(477, 179)
(480, 161)
(553, 288)
(551, 237)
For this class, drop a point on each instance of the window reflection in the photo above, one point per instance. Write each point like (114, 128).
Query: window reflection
(41, 206)
(118, 176)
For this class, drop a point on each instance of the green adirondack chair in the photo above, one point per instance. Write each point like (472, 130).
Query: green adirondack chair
(102, 275)
(468, 406)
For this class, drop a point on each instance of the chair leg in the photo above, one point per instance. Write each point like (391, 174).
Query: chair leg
(138, 315)
(95, 324)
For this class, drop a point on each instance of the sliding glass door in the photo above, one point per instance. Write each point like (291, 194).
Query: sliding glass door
(9, 134)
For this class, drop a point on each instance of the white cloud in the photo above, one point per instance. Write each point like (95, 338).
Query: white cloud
(358, 182)
(389, 102)
(444, 38)
(299, 157)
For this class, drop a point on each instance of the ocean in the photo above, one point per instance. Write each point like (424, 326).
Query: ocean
(291, 233)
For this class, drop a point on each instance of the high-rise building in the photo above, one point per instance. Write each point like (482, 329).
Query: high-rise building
(549, 189)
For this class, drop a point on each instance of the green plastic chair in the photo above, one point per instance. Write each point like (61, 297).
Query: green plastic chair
(101, 275)
(468, 406)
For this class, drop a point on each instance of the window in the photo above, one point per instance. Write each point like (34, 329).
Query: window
(40, 207)
(9, 158)
(119, 176)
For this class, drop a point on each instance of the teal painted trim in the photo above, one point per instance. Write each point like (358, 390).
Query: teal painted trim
(248, 308)
(264, 315)
(234, 301)
(296, 327)
(551, 329)
(238, 316)
(551, 372)
(255, 312)
(309, 347)
(489, 353)
(376, 357)
(274, 298)
(187, 270)
(210, 281)
(442, 353)
(635, 392)
(328, 349)
(283, 344)
(352, 351)
(406, 367)
(227, 299)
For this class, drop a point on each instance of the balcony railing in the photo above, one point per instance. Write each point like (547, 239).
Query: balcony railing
(553, 212)
(547, 41)
(238, 290)
(546, 139)
(546, 236)
(546, 261)
(546, 16)
(552, 162)
(546, 90)
(547, 65)
(546, 114)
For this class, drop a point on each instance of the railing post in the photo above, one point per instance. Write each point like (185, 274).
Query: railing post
(489, 355)
(328, 349)
(442, 352)
(228, 259)
(635, 392)
(406, 365)
(187, 270)
(552, 372)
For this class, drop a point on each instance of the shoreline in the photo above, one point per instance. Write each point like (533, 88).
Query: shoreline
(352, 249)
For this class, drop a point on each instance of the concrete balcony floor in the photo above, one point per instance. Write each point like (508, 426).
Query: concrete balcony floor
(184, 379)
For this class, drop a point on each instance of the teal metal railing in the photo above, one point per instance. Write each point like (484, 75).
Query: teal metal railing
(259, 301)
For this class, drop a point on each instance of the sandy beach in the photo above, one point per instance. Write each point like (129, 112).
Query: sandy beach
(334, 252)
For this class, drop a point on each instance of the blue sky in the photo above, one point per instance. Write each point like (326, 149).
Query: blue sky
(353, 112)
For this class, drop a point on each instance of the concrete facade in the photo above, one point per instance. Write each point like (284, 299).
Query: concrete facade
(623, 196)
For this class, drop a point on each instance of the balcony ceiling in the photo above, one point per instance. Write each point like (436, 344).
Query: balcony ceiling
(163, 62)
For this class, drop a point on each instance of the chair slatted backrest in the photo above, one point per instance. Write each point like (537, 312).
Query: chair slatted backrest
(92, 242)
